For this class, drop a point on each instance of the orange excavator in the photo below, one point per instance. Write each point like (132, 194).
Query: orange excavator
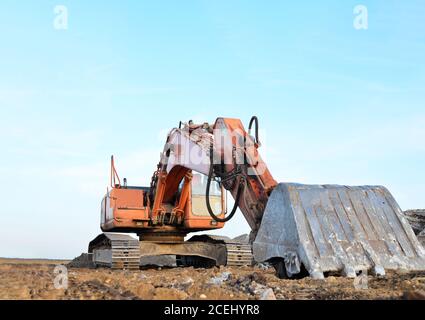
(300, 229)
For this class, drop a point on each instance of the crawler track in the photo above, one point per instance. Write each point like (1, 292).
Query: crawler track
(116, 251)
(238, 254)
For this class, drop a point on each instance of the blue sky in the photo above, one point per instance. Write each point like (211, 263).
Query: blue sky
(336, 104)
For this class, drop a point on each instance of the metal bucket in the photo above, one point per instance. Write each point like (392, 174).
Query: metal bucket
(331, 228)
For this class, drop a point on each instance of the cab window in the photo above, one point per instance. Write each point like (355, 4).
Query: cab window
(199, 187)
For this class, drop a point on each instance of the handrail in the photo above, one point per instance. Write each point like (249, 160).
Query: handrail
(114, 175)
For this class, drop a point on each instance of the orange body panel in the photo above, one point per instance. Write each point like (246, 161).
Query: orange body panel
(127, 198)
(123, 210)
(192, 221)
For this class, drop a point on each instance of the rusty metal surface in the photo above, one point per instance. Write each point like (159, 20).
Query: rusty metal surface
(208, 250)
(337, 228)
(169, 261)
(162, 237)
(238, 251)
(421, 237)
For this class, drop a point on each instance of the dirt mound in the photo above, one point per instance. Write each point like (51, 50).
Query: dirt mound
(82, 261)
(242, 238)
(414, 295)
(416, 219)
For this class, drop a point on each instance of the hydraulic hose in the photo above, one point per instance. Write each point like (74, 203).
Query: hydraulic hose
(207, 196)
(254, 119)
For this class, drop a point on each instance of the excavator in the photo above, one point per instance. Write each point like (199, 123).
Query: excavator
(302, 230)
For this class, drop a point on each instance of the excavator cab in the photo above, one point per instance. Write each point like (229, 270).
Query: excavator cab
(197, 216)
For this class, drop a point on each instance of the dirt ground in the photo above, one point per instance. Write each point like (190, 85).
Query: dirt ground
(35, 279)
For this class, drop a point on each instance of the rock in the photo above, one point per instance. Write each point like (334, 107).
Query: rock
(184, 284)
(128, 295)
(258, 277)
(187, 283)
(218, 280)
(267, 294)
(145, 291)
(254, 287)
(403, 271)
(203, 296)
(251, 284)
(414, 295)
(263, 266)
(170, 294)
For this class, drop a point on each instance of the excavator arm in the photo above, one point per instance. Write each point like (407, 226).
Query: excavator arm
(238, 165)
(226, 153)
